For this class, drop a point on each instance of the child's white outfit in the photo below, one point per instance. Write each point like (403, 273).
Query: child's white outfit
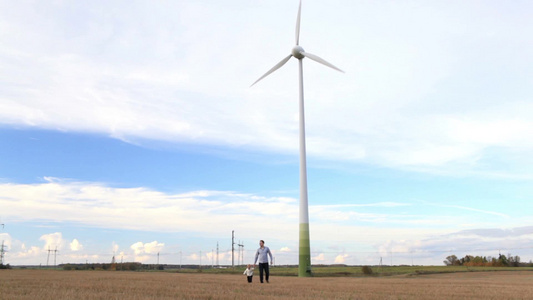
(249, 273)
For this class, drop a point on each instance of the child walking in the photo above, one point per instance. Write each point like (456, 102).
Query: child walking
(249, 272)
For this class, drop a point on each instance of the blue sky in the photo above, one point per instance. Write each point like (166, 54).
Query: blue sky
(131, 129)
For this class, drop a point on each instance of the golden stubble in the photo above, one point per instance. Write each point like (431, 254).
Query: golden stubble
(49, 284)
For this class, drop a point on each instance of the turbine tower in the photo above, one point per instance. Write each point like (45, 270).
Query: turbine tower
(304, 262)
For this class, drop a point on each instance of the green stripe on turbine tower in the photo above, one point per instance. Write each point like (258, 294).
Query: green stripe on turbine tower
(304, 268)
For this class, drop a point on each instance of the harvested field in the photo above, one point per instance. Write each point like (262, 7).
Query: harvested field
(52, 284)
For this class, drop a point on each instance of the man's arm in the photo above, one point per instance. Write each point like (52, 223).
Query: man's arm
(270, 254)
(256, 256)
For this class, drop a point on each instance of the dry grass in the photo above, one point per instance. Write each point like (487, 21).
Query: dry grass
(48, 284)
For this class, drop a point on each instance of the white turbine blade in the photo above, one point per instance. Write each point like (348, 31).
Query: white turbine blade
(279, 65)
(320, 60)
(298, 24)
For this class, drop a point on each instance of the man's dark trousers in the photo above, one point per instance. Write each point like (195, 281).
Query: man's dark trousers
(263, 266)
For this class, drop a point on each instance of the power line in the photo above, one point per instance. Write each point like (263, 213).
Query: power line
(2, 252)
(2, 249)
(233, 248)
(48, 257)
(55, 255)
(241, 252)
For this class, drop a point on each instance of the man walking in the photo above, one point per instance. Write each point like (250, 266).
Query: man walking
(262, 253)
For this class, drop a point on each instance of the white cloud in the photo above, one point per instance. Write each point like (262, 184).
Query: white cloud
(320, 258)
(18, 251)
(137, 248)
(341, 258)
(353, 228)
(30, 253)
(194, 257)
(99, 205)
(102, 206)
(147, 248)
(430, 99)
(76, 245)
(115, 247)
(225, 257)
(144, 259)
(435, 248)
(7, 241)
(53, 241)
(153, 247)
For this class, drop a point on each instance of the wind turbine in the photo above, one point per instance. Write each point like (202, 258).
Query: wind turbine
(304, 262)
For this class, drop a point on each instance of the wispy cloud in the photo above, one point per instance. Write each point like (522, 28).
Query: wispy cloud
(101, 206)
(98, 205)
(95, 73)
(379, 204)
(482, 241)
(381, 235)
(475, 210)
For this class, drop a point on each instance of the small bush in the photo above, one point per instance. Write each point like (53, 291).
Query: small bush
(367, 270)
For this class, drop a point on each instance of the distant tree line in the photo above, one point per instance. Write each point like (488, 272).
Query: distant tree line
(2, 266)
(127, 266)
(486, 261)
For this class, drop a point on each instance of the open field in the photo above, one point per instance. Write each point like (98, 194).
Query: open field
(356, 271)
(52, 284)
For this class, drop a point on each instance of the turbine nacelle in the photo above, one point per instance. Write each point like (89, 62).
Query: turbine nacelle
(298, 52)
